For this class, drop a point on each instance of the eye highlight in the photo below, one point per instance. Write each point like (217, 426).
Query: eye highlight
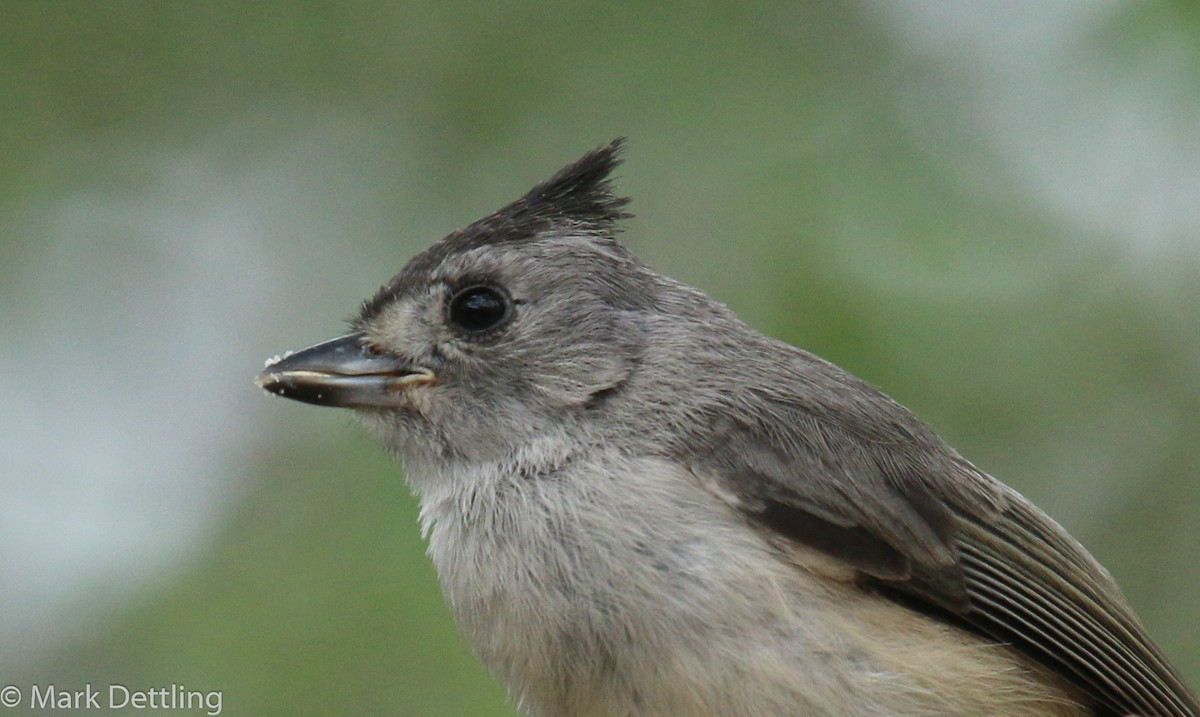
(479, 308)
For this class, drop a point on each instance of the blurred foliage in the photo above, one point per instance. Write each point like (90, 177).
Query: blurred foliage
(805, 163)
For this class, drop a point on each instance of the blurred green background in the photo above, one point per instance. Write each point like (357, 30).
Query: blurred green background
(991, 210)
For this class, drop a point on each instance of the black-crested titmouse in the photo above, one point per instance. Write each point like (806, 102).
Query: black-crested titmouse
(640, 506)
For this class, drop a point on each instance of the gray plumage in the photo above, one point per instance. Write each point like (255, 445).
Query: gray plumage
(639, 505)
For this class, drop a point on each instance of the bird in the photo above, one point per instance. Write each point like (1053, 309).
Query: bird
(639, 505)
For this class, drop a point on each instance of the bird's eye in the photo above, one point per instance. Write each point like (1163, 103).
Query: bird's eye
(479, 308)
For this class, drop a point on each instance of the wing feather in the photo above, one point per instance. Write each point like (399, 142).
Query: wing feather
(831, 463)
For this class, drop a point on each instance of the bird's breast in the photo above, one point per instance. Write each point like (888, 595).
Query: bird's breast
(606, 585)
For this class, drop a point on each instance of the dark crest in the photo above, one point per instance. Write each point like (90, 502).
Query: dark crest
(578, 198)
(579, 194)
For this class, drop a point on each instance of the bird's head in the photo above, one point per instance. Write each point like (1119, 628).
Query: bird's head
(522, 323)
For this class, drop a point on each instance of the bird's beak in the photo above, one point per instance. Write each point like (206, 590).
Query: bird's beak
(342, 372)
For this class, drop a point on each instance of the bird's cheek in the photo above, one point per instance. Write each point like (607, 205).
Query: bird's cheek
(575, 382)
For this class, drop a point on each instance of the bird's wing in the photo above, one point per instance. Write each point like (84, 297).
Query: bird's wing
(853, 475)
